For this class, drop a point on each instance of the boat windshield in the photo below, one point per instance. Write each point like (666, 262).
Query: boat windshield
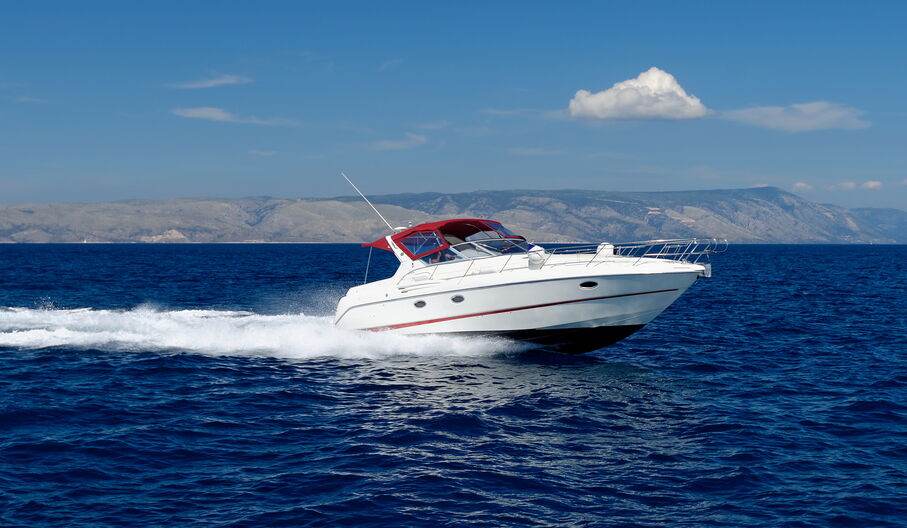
(471, 240)
(477, 249)
(502, 246)
(501, 229)
(423, 242)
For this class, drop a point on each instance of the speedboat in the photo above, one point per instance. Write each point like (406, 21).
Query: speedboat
(474, 276)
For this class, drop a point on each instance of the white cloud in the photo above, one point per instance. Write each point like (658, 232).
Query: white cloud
(849, 185)
(817, 115)
(211, 113)
(411, 141)
(654, 94)
(390, 64)
(219, 80)
(801, 186)
(263, 153)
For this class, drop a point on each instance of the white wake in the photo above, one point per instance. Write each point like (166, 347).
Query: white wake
(221, 333)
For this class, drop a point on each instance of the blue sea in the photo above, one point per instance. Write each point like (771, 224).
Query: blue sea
(204, 385)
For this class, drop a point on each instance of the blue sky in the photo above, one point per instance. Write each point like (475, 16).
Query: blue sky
(105, 101)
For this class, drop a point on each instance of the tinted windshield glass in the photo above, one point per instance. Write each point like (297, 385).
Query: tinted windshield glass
(482, 235)
(505, 245)
(422, 242)
(438, 257)
(501, 229)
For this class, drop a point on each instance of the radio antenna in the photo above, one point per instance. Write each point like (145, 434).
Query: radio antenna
(368, 202)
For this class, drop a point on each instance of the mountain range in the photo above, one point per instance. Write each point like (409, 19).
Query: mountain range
(757, 215)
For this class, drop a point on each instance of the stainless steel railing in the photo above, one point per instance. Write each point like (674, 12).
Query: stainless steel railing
(689, 250)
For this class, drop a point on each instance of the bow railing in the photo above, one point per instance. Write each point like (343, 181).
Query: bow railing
(687, 250)
(690, 250)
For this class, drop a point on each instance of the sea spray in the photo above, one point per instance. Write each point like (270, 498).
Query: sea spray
(217, 332)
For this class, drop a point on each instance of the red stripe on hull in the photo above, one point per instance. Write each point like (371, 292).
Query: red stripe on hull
(441, 320)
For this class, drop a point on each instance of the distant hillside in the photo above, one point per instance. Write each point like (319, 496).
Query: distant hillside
(763, 214)
(760, 215)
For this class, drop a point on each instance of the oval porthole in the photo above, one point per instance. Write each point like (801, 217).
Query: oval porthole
(588, 285)
(419, 304)
(457, 298)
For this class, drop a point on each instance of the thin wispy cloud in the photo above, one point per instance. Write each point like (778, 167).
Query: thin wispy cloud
(872, 184)
(211, 82)
(802, 187)
(653, 94)
(476, 131)
(263, 153)
(432, 125)
(210, 113)
(390, 64)
(315, 58)
(10, 84)
(804, 117)
(532, 113)
(410, 142)
(27, 99)
(610, 155)
(693, 172)
(843, 186)
(505, 112)
(534, 151)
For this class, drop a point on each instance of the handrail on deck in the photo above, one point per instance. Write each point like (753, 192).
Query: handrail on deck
(687, 250)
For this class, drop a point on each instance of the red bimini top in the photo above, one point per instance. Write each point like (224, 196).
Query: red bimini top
(432, 237)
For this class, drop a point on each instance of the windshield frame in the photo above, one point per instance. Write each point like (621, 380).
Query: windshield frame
(450, 233)
(415, 256)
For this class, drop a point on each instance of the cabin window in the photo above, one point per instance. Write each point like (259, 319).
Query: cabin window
(588, 285)
(457, 298)
(419, 304)
(422, 242)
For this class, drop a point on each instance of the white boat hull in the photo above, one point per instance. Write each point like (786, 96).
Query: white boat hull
(561, 312)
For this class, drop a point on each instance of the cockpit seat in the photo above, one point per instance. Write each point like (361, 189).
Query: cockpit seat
(453, 240)
(463, 248)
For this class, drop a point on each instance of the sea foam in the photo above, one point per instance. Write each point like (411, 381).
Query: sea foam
(217, 332)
